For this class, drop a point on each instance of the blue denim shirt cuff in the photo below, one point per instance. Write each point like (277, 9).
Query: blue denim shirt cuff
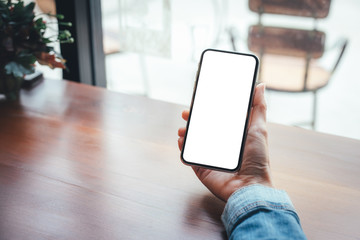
(252, 198)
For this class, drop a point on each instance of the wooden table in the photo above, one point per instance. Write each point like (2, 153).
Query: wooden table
(80, 162)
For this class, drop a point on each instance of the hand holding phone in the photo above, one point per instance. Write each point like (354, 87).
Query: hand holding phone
(225, 84)
(255, 165)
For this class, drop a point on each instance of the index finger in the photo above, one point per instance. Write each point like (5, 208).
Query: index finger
(258, 117)
(185, 115)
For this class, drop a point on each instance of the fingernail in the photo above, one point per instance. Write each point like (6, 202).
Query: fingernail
(262, 86)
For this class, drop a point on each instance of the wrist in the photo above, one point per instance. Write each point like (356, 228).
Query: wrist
(245, 181)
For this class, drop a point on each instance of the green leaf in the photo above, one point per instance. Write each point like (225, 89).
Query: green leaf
(21, 65)
(25, 58)
(39, 24)
(17, 69)
(29, 9)
(4, 11)
(2, 4)
(46, 40)
(22, 14)
(18, 7)
(49, 49)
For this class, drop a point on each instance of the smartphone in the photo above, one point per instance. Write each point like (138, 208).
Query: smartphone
(220, 110)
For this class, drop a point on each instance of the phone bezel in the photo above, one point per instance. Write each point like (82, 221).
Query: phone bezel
(246, 121)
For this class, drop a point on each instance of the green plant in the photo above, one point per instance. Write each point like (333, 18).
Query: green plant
(23, 40)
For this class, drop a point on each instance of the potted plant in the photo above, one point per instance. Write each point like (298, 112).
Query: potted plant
(23, 42)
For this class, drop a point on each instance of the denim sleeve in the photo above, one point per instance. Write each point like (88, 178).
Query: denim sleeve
(260, 212)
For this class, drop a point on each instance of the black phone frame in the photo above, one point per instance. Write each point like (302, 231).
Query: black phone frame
(245, 131)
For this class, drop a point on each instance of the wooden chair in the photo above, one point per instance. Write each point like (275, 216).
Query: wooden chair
(288, 56)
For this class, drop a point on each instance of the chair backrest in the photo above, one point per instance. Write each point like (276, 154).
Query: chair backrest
(304, 8)
(286, 41)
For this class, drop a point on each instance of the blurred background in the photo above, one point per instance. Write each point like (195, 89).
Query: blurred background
(308, 52)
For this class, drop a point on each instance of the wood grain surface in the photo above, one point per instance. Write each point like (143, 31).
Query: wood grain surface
(80, 162)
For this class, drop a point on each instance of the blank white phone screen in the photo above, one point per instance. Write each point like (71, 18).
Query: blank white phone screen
(219, 111)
